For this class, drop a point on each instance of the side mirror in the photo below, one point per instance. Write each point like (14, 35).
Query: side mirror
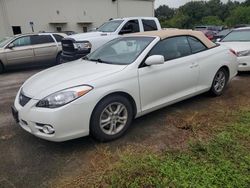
(11, 45)
(218, 39)
(155, 60)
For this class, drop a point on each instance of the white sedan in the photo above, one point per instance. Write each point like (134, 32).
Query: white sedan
(239, 40)
(124, 79)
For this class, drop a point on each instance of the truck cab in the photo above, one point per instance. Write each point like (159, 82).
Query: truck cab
(80, 45)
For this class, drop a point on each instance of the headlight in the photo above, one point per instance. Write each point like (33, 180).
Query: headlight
(63, 97)
(243, 53)
(85, 45)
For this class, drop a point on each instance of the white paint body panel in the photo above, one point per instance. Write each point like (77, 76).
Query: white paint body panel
(151, 87)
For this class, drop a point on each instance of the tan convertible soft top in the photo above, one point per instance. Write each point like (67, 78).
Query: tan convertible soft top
(167, 33)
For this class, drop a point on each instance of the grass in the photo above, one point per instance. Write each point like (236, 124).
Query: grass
(223, 161)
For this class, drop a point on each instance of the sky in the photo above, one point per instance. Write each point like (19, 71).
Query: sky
(176, 3)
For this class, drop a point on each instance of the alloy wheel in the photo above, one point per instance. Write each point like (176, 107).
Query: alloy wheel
(219, 81)
(113, 118)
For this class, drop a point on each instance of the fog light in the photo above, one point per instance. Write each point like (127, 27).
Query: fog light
(48, 129)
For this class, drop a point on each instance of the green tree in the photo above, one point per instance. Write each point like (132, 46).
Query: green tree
(228, 8)
(212, 12)
(211, 20)
(164, 12)
(247, 3)
(240, 15)
(215, 8)
(194, 11)
(178, 21)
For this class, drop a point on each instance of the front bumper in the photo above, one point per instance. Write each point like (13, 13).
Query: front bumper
(244, 63)
(69, 122)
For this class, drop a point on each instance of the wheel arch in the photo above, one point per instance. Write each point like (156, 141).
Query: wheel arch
(225, 67)
(2, 65)
(123, 94)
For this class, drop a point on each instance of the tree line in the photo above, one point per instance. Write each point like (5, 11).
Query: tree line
(212, 12)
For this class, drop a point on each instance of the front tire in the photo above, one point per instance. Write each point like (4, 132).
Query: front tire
(111, 118)
(58, 59)
(219, 83)
(1, 68)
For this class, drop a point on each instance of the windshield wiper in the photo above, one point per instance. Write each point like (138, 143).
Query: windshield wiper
(85, 58)
(99, 60)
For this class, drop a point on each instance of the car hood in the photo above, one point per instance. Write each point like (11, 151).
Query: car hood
(237, 46)
(68, 75)
(83, 36)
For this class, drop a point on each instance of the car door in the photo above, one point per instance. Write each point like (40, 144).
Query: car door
(58, 39)
(20, 51)
(169, 82)
(45, 48)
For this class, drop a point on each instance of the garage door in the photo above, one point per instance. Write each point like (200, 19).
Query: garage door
(129, 8)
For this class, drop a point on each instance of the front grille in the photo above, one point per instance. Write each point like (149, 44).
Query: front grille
(67, 46)
(23, 100)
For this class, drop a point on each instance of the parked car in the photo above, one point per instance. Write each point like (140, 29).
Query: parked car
(213, 28)
(241, 25)
(239, 40)
(209, 34)
(79, 45)
(30, 50)
(122, 80)
(222, 34)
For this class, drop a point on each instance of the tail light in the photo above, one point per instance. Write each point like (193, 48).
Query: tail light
(210, 37)
(233, 52)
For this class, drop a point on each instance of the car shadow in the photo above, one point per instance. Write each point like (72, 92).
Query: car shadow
(244, 74)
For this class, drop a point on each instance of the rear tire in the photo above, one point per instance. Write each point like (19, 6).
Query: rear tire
(111, 118)
(220, 82)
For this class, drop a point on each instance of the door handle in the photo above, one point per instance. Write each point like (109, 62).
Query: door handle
(194, 65)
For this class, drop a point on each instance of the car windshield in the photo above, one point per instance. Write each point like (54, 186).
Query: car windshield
(224, 32)
(238, 36)
(121, 51)
(110, 26)
(5, 41)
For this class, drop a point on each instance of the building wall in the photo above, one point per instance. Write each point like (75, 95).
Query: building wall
(68, 14)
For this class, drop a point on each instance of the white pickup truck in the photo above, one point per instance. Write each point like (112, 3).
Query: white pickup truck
(79, 45)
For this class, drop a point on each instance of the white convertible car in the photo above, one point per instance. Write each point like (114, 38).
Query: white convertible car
(124, 79)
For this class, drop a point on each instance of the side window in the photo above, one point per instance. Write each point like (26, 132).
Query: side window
(196, 45)
(149, 25)
(41, 39)
(58, 37)
(131, 26)
(172, 48)
(23, 41)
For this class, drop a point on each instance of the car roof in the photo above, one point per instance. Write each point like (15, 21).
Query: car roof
(167, 33)
(131, 18)
(242, 28)
(42, 33)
